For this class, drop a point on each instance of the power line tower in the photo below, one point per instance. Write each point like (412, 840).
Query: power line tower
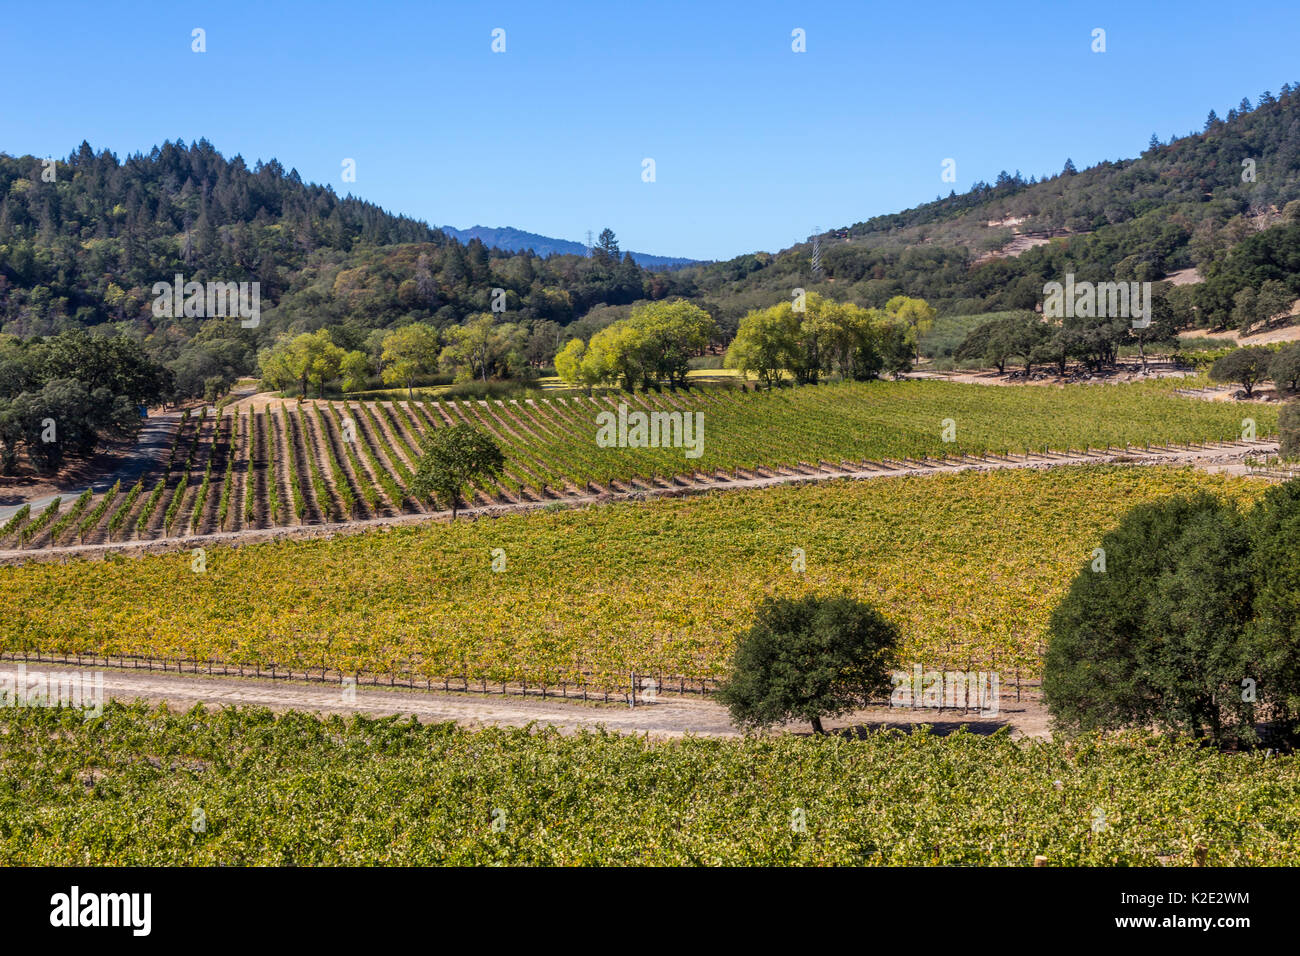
(591, 244)
(816, 252)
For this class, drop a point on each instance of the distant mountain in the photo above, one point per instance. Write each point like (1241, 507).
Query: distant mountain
(516, 240)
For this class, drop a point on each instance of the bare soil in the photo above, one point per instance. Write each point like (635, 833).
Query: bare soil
(1189, 276)
(665, 716)
(1283, 333)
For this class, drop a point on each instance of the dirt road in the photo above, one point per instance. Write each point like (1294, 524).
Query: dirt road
(668, 716)
(151, 444)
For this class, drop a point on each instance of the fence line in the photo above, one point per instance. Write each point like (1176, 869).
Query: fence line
(633, 692)
(1278, 471)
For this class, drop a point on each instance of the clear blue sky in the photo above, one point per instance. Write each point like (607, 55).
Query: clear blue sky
(754, 145)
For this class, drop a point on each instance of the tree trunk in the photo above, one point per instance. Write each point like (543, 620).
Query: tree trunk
(817, 726)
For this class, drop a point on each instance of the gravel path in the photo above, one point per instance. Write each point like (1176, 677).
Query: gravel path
(668, 716)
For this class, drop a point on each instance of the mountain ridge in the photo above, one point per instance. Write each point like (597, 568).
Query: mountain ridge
(511, 239)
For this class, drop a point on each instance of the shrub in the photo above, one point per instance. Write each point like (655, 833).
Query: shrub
(491, 390)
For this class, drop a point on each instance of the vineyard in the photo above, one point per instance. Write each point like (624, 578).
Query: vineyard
(968, 564)
(330, 462)
(126, 789)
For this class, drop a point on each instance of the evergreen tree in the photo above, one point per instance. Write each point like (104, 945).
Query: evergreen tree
(606, 249)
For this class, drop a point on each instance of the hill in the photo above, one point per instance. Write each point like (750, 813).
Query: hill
(1189, 203)
(84, 240)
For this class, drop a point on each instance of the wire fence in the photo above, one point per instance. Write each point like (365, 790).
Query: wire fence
(640, 687)
(1274, 470)
(579, 685)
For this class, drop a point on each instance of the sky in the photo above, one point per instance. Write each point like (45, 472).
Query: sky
(754, 145)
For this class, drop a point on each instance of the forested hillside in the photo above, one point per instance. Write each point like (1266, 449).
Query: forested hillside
(84, 240)
(1183, 203)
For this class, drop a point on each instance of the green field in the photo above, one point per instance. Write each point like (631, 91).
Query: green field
(968, 564)
(142, 788)
(553, 443)
(860, 421)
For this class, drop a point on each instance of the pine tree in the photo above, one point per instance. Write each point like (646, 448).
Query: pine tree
(206, 237)
(606, 248)
(1069, 169)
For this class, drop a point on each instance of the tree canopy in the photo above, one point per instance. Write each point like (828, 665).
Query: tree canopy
(825, 337)
(452, 458)
(653, 345)
(61, 396)
(1181, 619)
(1246, 367)
(809, 658)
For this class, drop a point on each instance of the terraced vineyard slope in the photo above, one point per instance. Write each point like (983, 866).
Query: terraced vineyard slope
(290, 464)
